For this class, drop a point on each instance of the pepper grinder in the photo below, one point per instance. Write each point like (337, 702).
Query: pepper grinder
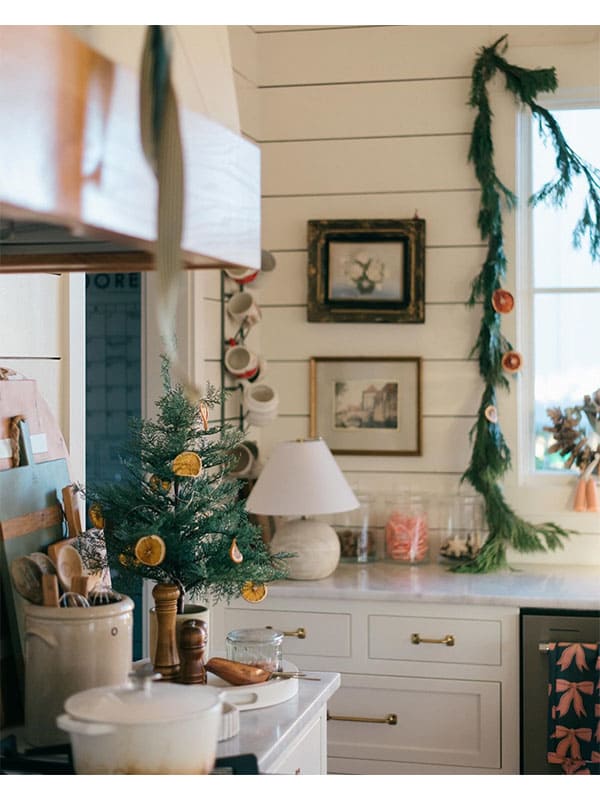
(192, 648)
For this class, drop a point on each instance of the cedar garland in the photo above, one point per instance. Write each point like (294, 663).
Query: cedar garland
(491, 458)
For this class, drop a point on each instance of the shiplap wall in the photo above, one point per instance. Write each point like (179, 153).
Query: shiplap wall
(373, 122)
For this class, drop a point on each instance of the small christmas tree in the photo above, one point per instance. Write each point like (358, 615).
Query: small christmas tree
(178, 518)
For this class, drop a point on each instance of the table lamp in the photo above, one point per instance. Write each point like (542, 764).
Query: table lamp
(300, 479)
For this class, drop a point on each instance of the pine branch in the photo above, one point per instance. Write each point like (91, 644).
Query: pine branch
(490, 457)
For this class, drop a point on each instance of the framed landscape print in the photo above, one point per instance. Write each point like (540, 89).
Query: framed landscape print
(367, 406)
(366, 270)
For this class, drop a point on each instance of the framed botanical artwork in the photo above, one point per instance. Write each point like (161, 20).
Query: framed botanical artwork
(367, 406)
(369, 270)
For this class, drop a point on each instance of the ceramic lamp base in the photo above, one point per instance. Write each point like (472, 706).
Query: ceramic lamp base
(316, 544)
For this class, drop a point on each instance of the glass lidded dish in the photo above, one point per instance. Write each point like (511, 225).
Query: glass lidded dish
(261, 647)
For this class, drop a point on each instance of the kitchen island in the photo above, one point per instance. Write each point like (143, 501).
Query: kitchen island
(289, 737)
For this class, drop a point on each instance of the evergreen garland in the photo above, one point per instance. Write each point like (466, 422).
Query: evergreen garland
(201, 519)
(491, 458)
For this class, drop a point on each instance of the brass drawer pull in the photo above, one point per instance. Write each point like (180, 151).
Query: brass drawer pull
(299, 633)
(390, 719)
(448, 640)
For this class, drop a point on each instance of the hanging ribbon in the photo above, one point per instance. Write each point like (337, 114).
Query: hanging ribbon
(161, 143)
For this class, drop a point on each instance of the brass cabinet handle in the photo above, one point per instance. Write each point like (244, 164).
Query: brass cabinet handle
(390, 719)
(299, 633)
(448, 640)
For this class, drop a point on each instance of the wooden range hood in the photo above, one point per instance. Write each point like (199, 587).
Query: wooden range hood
(76, 192)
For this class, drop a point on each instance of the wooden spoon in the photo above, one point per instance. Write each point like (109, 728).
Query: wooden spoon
(44, 563)
(27, 578)
(239, 674)
(68, 565)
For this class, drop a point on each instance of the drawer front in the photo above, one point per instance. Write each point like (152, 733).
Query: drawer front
(447, 722)
(453, 641)
(324, 634)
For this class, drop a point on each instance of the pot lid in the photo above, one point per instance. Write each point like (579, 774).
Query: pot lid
(144, 700)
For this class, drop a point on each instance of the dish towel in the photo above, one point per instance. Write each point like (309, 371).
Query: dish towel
(574, 707)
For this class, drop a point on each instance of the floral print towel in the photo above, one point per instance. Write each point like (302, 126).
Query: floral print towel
(574, 707)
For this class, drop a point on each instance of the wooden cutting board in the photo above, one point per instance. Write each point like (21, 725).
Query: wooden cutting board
(31, 518)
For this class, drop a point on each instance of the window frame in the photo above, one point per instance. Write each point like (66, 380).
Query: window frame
(528, 478)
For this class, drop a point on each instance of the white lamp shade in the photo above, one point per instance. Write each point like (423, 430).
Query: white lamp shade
(301, 478)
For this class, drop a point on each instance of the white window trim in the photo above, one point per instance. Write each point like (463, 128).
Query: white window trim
(544, 494)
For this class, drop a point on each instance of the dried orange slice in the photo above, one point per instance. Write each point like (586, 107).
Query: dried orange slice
(150, 550)
(491, 414)
(511, 361)
(187, 464)
(254, 592)
(95, 515)
(157, 484)
(502, 301)
(235, 554)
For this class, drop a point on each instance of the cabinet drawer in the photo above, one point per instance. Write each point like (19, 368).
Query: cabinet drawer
(324, 634)
(473, 641)
(447, 722)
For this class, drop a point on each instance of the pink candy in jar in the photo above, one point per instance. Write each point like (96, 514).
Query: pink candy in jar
(407, 534)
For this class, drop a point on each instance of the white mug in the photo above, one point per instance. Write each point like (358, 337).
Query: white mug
(246, 465)
(241, 362)
(242, 275)
(261, 403)
(243, 309)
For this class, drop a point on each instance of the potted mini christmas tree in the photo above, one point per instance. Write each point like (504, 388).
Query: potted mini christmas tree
(178, 518)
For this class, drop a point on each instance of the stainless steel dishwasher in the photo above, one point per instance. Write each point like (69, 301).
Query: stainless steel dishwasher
(538, 628)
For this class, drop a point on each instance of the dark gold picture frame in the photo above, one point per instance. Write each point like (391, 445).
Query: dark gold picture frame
(367, 406)
(370, 270)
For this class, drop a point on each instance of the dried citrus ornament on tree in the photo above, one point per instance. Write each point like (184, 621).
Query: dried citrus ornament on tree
(235, 554)
(254, 592)
(187, 464)
(150, 550)
(96, 517)
(157, 484)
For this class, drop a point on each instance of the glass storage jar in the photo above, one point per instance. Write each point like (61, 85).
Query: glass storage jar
(463, 528)
(357, 538)
(407, 529)
(261, 647)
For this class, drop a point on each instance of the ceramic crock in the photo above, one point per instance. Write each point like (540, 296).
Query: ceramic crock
(145, 727)
(68, 650)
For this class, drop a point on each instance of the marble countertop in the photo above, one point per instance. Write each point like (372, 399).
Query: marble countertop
(526, 586)
(268, 732)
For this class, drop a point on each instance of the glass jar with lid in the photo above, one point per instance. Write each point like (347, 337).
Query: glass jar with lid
(355, 532)
(261, 647)
(463, 529)
(407, 529)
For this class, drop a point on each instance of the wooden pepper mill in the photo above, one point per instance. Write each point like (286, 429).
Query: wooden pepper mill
(192, 650)
(166, 658)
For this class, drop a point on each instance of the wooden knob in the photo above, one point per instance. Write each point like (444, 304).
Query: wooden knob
(192, 648)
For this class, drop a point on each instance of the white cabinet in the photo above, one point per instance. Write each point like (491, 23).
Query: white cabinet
(308, 755)
(426, 687)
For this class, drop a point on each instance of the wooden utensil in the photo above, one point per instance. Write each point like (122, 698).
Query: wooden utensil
(68, 565)
(81, 584)
(239, 674)
(50, 590)
(27, 579)
(44, 563)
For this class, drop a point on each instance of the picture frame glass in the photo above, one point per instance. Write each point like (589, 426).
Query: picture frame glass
(367, 406)
(366, 270)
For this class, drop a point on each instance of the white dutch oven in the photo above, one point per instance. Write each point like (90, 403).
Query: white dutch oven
(144, 728)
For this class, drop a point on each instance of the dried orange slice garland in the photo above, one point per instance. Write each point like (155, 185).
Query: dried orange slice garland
(150, 550)
(254, 592)
(187, 464)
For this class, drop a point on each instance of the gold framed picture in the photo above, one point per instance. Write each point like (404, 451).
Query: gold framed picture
(369, 270)
(367, 406)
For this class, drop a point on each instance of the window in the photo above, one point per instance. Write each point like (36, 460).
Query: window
(564, 290)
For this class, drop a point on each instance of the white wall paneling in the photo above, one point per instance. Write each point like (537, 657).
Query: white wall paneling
(374, 122)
